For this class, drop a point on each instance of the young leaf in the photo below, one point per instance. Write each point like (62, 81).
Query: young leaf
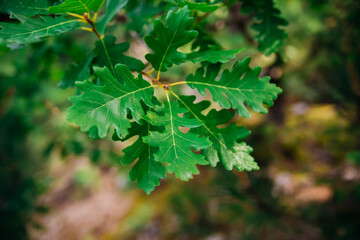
(77, 6)
(112, 8)
(35, 29)
(203, 7)
(239, 158)
(225, 147)
(108, 53)
(27, 8)
(165, 41)
(174, 145)
(108, 105)
(146, 171)
(234, 89)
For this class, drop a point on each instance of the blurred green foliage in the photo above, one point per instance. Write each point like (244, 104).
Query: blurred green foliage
(308, 147)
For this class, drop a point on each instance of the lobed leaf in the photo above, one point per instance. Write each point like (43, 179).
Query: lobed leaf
(237, 87)
(174, 145)
(165, 40)
(108, 53)
(31, 30)
(225, 146)
(108, 105)
(27, 8)
(270, 36)
(146, 171)
(77, 6)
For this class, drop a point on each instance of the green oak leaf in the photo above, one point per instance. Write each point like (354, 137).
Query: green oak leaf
(108, 105)
(270, 36)
(77, 6)
(203, 7)
(236, 87)
(27, 8)
(239, 158)
(146, 171)
(31, 30)
(112, 54)
(165, 40)
(225, 147)
(112, 8)
(174, 145)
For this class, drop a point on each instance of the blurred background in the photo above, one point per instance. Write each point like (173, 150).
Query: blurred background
(56, 183)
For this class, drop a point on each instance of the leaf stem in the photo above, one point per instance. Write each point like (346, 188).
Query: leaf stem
(177, 83)
(167, 95)
(76, 15)
(92, 24)
(149, 72)
(107, 55)
(150, 77)
(100, 37)
(96, 13)
(93, 29)
(158, 76)
(161, 86)
(86, 29)
(95, 16)
(205, 126)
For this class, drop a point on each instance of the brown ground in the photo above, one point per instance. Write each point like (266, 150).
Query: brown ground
(89, 216)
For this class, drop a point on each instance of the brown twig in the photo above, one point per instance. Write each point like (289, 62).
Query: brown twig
(92, 24)
(150, 77)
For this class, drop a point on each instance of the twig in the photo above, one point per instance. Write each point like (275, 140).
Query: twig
(91, 22)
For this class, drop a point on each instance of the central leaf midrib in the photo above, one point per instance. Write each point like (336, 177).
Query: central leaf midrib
(43, 29)
(231, 88)
(199, 119)
(115, 99)
(168, 48)
(172, 129)
(85, 5)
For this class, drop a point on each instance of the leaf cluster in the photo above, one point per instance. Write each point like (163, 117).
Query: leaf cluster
(172, 135)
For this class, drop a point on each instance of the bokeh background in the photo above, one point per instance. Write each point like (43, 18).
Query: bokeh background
(56, 183)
